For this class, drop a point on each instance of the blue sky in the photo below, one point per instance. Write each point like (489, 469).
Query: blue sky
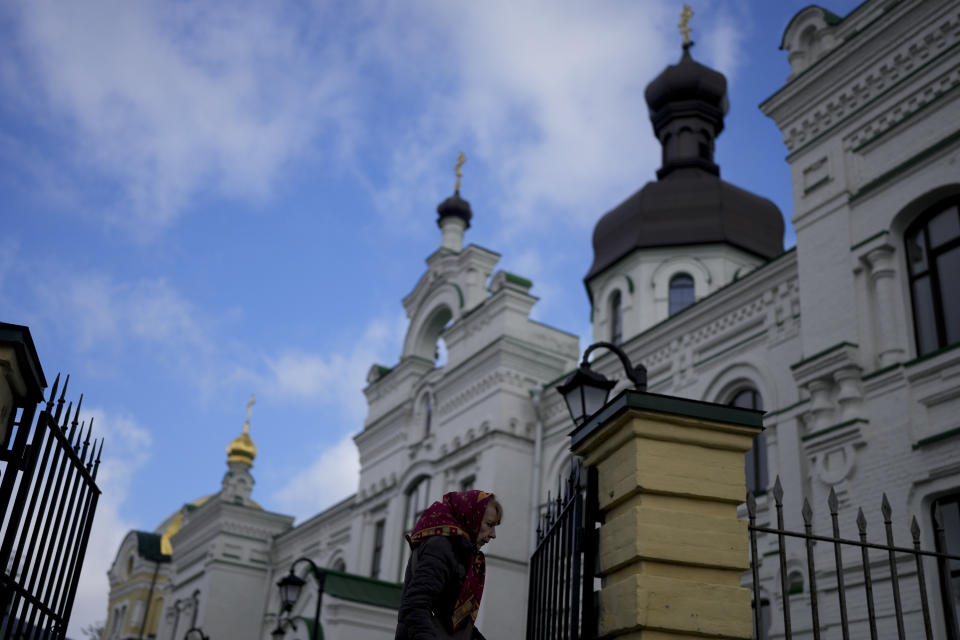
(204, 200)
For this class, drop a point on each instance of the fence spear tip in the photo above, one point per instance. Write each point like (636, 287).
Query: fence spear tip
(66, 417)
(885, 508)
(861, 520)
(806, 512)
(832, 501)
(915, 530)
(53, 391)
(778, 491)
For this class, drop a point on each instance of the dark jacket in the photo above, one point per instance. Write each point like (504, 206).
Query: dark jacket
(433, 587)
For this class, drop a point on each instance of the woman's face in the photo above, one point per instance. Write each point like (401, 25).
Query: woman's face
(488, 526)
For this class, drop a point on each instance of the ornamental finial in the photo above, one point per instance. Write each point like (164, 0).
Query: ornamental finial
(457, 169)
(684, 25)
(250, 403)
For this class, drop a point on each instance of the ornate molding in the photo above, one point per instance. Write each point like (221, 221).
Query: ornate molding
(925, 44)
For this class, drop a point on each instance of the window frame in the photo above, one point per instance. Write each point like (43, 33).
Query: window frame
(673, 307)
(757, 475)
(379, 534)
(931, 272)
(950, 501)
(615, 307)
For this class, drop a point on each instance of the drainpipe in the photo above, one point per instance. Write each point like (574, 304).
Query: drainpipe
(536, 396)
(146, 613)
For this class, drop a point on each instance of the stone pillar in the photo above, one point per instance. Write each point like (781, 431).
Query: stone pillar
(672, 550)
(882, 272)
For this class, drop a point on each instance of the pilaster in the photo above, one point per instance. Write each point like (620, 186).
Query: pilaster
(672, 550)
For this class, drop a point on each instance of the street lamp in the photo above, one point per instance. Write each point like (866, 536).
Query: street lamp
(586, 391)
(290, 586)
(279, 632)
(195, 633)
(182, 604)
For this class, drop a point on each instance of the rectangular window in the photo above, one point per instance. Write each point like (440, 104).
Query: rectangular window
(467, 483)
(950, 569)
(377, 548)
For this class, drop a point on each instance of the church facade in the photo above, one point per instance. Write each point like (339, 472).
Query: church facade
(849, 342)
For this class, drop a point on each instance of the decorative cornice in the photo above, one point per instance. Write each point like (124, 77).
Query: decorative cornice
(903, 109)
(922, 48)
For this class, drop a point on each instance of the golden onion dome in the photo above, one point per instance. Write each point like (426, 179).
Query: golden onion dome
(241, 448)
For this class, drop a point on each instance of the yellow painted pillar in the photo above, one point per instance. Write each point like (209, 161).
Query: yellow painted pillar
(670, 475)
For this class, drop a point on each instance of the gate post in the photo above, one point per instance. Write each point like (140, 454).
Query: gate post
(672, 550)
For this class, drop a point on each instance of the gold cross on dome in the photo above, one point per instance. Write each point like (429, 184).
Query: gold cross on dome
(684, 25)
(250, 404)
(457, 169)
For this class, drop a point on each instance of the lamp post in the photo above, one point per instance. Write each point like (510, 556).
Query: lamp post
(279, 632)
(181, 604)
(195, 633)
(290, 586)
(586, 391)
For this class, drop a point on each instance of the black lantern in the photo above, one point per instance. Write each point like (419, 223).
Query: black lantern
(195, 634)
(585, 393)
(278, 633)
(290, 586)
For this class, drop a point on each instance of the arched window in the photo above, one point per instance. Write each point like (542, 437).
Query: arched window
(933, 260)
(949, 506)
(427, 414)
(755, 463)
(681, 292)
(616, 318)
(417, 500)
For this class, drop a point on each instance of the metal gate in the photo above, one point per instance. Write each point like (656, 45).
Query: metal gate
(870, 580)
(48, 496)
(561, 601)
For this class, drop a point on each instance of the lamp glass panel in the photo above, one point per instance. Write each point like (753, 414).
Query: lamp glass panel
(574, 400)
(290, 591)
(593, 399)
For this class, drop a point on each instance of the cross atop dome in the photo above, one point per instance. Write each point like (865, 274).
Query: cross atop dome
(684, 25)
(454, 213)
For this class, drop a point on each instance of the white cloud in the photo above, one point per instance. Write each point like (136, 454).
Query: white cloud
(330, 478)
(171, 100)
(126, 449)
(546, 96)
(335, 378)
(104, 310)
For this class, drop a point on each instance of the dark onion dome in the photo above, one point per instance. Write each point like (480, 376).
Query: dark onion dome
(688, 84)
(688, 204)
(688, 207)
(454, 206)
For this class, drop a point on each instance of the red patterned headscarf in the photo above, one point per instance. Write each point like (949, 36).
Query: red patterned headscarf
(459, 514)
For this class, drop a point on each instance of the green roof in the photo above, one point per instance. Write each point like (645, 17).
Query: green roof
(348, 586)
(148, 546)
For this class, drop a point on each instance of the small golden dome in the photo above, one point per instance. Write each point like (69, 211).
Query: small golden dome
(242, 449)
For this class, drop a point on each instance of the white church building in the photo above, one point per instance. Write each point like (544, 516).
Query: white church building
(850, 342)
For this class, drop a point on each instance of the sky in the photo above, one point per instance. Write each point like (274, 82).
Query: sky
(204, 200)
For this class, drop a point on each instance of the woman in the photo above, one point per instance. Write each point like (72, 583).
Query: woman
(444, 579)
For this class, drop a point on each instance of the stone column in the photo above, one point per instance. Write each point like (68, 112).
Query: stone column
(672, 550)
(882, 272)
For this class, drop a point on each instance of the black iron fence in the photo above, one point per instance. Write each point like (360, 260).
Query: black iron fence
(48, 496)
(561, 600)
(866, 589)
